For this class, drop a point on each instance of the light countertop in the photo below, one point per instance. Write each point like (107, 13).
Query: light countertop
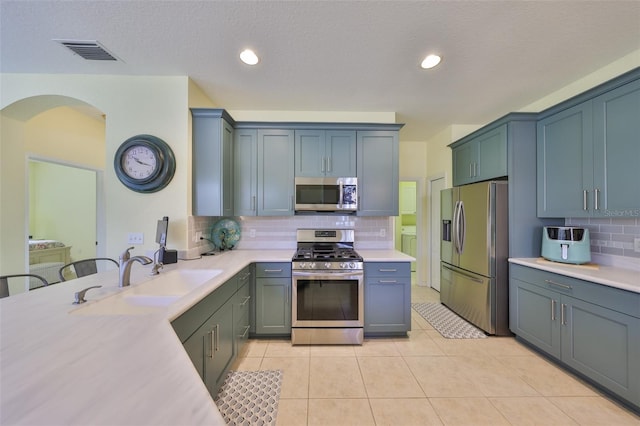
(59, 367)
(625, 279)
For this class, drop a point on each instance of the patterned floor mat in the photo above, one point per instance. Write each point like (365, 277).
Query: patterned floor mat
(250, 397)
(446, 322)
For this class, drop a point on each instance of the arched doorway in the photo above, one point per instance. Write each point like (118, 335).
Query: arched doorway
(54, 129)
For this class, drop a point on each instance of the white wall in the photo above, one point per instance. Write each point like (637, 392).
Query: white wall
(132, 105)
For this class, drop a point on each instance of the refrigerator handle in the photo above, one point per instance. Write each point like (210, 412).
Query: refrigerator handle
(462, 227)
(455, 227)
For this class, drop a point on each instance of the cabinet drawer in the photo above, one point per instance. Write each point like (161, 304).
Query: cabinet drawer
(387, 269)
(187, 323)
(244, 277)
(616, 299)
(273, 269)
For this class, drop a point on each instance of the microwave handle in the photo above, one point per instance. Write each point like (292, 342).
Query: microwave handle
(341, 196)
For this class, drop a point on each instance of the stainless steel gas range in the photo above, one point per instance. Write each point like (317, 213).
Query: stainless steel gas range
(327, 289)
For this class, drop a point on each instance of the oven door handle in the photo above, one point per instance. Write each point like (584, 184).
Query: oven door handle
(327, 276)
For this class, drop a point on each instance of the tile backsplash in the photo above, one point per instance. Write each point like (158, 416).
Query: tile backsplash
(279, 232)
(612, 239)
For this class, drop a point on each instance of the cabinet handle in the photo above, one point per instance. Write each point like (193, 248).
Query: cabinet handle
(387, 270)
(246, 330)
(211, 338)
(388, 281)
(329, 168)
(470, 169)
(217, 328)
(563, 318)
(596, 198)
(253, 202)
(584, 200)
(568, 287)
(322, 163)
(245, 301)
(553, 310)
(273, 270)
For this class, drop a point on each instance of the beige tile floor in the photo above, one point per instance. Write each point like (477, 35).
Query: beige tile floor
(425, 379)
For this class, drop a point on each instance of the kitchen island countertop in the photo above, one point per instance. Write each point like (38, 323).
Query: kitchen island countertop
(60, 367)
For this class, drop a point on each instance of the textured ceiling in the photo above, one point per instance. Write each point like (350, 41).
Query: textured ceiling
(498, 56)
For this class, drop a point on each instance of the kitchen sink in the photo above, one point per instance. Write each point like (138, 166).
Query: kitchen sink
(149, 300)
(151, 296)
(178, 282)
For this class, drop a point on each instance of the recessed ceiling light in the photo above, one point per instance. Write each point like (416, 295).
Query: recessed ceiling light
(249, 57)
(430, 61)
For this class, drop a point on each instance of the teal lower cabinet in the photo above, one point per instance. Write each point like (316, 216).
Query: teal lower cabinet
(387, 298)
(593, 329)
(241, 309)
(208, 333)
(273, 299)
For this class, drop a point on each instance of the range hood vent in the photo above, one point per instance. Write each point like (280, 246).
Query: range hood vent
(88, 49)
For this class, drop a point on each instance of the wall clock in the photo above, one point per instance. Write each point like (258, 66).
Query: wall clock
(144, 163)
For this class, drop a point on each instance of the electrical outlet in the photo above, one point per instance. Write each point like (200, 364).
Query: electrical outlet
(636, 244)
(383, 232)
(197, 237)
(135, 238)
(252, 233)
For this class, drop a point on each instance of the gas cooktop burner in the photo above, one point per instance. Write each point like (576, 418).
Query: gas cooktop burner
(326, 250)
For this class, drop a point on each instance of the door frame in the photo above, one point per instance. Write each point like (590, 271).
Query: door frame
(101, 233)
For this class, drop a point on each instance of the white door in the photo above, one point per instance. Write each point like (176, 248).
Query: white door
(436, 184)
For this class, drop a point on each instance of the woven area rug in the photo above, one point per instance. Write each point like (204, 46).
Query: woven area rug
(447, 322)
(250, 397)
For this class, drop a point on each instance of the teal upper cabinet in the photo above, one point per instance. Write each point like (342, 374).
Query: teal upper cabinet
(275, 172)
(588, 151)
(377, 173)
(212, 163)
(245, 167)
(320, 153)
(565, 157)
(616, 151)
(481, 158)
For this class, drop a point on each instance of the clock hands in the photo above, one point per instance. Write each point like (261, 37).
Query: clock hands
(141, 162)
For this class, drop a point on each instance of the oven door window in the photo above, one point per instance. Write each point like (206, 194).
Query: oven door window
(327, 300)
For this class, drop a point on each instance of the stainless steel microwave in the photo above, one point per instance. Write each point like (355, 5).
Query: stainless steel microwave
(326, 194)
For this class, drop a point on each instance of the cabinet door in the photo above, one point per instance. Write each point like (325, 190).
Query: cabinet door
(464, 158)
(378, 174)
(617, 151)
(565, 163)
(310, 159)
(212, 164)
(387, 307)
(218, 350)
(534, 315)
(492, 154)
(227, 169)
(245, 180)
(340, 151)
(602, 344)
(275, 172)
(273, 306)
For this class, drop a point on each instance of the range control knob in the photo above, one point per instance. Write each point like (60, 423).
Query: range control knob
(327, 265)
(312, 265)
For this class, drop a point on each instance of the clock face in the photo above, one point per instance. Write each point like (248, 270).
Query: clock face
(139, 162)
(144, 163)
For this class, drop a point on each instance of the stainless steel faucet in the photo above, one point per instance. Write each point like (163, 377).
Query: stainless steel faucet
(125, 266)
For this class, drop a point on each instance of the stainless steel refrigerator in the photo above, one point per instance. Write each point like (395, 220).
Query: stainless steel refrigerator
(474, 247)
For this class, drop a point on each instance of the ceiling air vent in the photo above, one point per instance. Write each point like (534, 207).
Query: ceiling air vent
(88, 49)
